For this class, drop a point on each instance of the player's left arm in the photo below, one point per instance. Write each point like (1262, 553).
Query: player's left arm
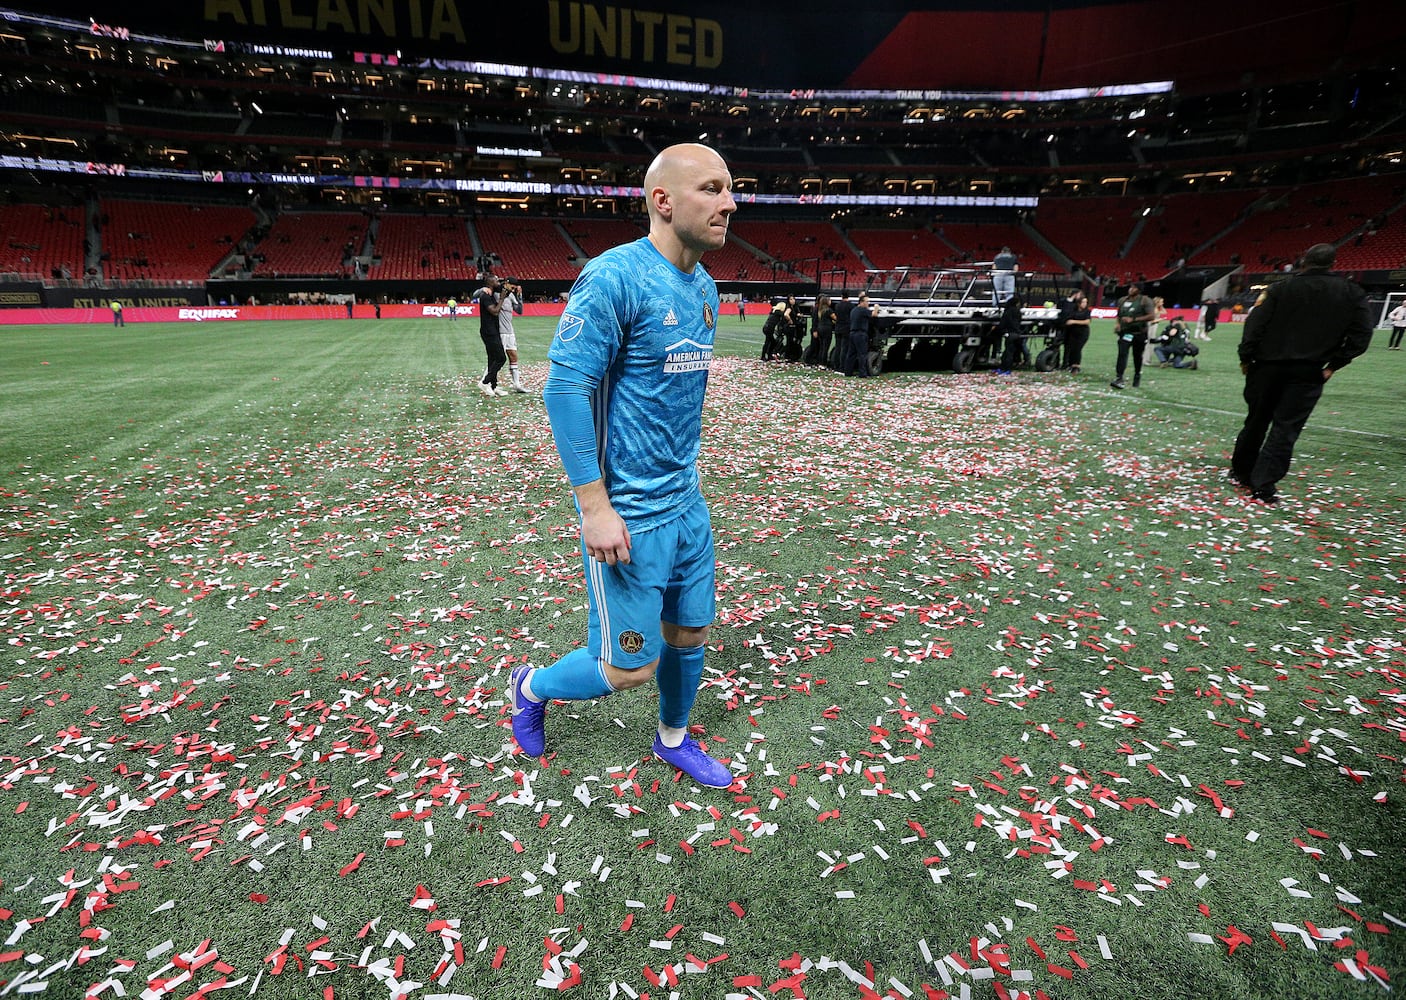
(1253, 330)
(1357, 335)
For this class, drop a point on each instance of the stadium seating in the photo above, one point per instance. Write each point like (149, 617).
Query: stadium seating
(37, 240)
(1301, 216)
(301, 126)
(597, 235)
(849, 155)
(907, 247)
(735, 262)
(1383, 250)
(814, 245)
(420, 246)
(178, 120)
(160, 241)
(931, 154)
(1089, 230)
(981, 242)
(311, 244)
(529, 248)
(1178, 224)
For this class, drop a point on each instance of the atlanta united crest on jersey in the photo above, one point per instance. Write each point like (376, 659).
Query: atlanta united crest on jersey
(643, 330)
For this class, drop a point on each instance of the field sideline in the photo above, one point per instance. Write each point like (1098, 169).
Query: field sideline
(1024, 700)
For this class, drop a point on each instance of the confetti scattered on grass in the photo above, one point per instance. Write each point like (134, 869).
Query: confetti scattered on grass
(1011, 703)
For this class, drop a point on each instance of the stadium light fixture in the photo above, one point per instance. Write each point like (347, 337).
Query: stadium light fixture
(255, 105)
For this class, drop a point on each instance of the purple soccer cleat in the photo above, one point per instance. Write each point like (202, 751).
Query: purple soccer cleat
(529, 717)
(689, 758)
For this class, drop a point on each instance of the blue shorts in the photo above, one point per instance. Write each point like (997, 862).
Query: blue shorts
(669, 578)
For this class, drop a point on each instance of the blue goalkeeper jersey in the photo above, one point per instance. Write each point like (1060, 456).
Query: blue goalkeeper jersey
(642, 330)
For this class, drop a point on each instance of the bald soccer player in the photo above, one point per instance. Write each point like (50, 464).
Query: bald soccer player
(629, 367)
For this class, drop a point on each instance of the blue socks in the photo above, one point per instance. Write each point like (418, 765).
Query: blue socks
(677, 675)
(577, 676)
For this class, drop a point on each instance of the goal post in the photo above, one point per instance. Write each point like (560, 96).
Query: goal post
(1392, 300)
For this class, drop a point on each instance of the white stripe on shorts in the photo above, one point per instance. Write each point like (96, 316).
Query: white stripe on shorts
(595, 580)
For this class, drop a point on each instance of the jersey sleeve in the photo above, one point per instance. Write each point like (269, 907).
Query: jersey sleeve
(568, 400)
(598, 311)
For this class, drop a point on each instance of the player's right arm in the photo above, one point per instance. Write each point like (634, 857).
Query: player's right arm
(603, 533)
(587, 339)
(568, 396)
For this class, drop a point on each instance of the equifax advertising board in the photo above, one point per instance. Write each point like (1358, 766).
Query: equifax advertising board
(223, 314)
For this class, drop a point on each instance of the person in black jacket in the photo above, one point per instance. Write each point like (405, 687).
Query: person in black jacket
(857, 360)
(1076, 331)
(839, 356)
(774, 332)
(1308, 327)
(795, 331)
(1010, 330)
(822, 330)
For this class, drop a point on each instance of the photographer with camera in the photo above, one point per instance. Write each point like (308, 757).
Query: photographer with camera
(490, 332)
(510, 303)
(1173, 347)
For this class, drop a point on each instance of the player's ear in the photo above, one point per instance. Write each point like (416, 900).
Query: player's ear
(659, 198)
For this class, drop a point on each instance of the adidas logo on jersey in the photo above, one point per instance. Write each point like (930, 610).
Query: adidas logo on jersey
(670, 319)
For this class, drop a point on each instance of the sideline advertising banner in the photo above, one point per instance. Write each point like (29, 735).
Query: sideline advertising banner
(217, 314)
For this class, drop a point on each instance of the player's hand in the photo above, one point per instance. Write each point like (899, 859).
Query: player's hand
(605, 536)
(1327, 374)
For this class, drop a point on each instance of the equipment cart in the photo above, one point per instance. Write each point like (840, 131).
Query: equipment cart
(948, 317)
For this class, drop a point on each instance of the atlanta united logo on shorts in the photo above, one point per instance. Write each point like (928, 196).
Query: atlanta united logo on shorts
(708, 315)
(631, 642)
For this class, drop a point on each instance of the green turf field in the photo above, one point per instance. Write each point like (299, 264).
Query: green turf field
(1023, 698)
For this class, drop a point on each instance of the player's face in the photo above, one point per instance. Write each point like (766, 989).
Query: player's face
(703, 203)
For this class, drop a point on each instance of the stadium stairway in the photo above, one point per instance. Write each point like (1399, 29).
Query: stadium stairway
(761, 255)
(853, 247)
(1038, 238)
(571, 242)
(93, 259)
(1133, 234)
(475, 244)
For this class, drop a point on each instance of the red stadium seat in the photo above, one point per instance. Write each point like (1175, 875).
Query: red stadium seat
(529, 248)
(160, 241)
(37, 240)
(423, 247)
(311, 244)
